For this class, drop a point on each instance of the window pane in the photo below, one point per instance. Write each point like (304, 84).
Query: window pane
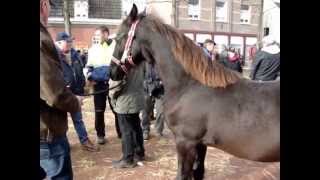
(251, 41)
(202, 37)
(221, 40)
(237, 43)
(189, 35)
(220, 4)
(193, 2)
(221, 11)
(245, 7)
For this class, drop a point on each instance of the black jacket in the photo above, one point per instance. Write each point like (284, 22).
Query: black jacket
(152, 83)
(234, 65)
(73, 73)
(265, 67)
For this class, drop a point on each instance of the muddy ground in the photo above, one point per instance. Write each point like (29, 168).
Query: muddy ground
(161, 158)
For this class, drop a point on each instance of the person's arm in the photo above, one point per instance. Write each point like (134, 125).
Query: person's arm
(91, 58)
(255, 66)
(52, 85)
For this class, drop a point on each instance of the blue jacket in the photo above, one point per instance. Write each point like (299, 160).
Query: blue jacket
(73, 73)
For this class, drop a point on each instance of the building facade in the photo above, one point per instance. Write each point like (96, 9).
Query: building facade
(233, 23)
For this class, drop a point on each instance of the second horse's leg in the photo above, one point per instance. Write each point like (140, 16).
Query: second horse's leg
(186, 157)
(199, 162)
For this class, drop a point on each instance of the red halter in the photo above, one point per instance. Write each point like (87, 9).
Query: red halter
(127, 53)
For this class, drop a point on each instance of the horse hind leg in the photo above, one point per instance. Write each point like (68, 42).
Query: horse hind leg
(186, 157)
(199, 168)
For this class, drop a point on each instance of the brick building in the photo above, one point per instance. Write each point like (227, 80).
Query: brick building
(230, 22)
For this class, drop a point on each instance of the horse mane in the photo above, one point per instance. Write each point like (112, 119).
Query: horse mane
(192, 57)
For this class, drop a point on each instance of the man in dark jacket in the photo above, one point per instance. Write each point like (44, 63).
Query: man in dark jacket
(55, 101)
(127, 104)
(266, 66)
(75, 81)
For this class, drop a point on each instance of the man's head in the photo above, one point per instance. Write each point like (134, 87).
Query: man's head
(209, 45)
(64, 42)
(101, 34)
(45, 7)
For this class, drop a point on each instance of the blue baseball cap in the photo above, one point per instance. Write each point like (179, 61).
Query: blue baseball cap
(63, 36)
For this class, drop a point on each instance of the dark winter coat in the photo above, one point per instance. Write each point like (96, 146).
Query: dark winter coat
(265, 67)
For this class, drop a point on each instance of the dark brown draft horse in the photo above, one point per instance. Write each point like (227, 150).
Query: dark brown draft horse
(205, 104)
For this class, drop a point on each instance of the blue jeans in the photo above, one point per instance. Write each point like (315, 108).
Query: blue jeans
(55, 159)
(79, 126)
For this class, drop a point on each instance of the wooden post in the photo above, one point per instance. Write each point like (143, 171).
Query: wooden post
(174, 13)
(260, 30)
(66, 15)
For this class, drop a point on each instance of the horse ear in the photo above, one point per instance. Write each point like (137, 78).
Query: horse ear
(133, 14)
(144, 12)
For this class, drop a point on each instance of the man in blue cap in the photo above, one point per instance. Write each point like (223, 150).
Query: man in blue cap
(75, 81)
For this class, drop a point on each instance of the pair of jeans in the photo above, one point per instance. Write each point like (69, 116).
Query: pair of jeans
(147, 113)
(132, 138)
(79, 126)
(100, 101)
(55, 159)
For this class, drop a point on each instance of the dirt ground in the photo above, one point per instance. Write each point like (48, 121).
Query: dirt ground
(161, 158)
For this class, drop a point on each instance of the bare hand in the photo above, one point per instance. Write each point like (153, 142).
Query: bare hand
(80, 99)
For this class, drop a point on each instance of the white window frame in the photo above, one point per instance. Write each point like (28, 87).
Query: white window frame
(245, 15)
(82, 10)
(225, 9)
(194, 11)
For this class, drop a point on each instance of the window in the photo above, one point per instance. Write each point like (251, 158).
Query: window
(105, 9)
(221, 11)
(194, 9)
(127, 5)
(221, 41)
(81, 9)
(202, 37)
(189, 35)
(237, 43)
(245, 14)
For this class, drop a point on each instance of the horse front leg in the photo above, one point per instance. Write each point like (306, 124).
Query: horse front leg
(199, 162)
(186, 158)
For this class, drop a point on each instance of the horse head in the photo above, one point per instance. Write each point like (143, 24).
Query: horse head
(130, 45)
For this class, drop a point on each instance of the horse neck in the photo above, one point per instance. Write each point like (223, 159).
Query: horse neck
(172, 74)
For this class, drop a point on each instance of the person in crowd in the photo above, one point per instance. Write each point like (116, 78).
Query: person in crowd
(55, 101)
(75, 81)
(158, 93)
(266, 66)
(147, 112)
(127, 103)
(231, 59)
(84, 57)
(99, 58)
(209, 49)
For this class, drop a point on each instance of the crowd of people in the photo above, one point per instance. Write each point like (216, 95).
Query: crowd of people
(65, 71)
(265, 58)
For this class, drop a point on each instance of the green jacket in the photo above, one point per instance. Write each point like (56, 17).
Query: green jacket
(131, 98)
